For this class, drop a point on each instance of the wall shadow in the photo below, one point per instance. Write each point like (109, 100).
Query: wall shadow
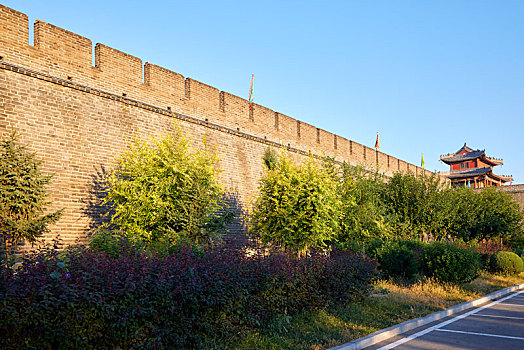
(237, 226)
(97, 212)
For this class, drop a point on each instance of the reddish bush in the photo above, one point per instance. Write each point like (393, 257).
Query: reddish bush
(488, 247)
(81, 298)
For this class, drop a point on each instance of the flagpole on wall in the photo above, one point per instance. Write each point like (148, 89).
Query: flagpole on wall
(251, 92)
(377, 147)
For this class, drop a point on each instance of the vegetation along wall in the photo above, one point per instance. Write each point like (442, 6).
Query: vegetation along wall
(517, 191)
(77, 118)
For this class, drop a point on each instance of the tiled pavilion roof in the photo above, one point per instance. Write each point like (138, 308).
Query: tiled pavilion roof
(472, 154)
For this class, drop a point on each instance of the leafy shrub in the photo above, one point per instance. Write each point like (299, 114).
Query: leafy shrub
(398, 261)
(363, 217)
(397, 258)
(82, 298)
(372, 248)
(163, 191)
(416, 246)
(519, 252)
(419, 206)
(110, 243)
(354, 246)
(486, 248)
(516, 238)
(346, 277)
(291, 283)
(449, 263)
(485, 215)
(500, 215)
(22, 198)
(506, 263)
(87, 299)
(298, 206)
(410, 202)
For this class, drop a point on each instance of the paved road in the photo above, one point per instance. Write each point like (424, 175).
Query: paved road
(496, 325)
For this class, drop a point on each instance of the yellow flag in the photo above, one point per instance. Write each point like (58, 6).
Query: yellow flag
(422, 164)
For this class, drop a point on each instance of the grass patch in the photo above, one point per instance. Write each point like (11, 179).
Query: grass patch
(390, 304)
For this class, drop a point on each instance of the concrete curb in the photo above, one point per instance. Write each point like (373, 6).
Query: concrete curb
(390, 332)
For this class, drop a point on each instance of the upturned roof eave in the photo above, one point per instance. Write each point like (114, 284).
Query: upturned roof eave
(478, 154)
(472, 173)
(465, 173)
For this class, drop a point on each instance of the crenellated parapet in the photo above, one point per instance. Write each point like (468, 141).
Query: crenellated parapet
(69, 56)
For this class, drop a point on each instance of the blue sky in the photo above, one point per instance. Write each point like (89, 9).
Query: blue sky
(427, 75)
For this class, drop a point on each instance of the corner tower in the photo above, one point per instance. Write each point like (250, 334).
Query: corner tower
(472, 168)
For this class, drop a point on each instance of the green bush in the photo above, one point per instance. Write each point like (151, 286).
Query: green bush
(449, 263)
(516, 238)
(111, 243)
(373, 248)
(486, 248)
(22, 198)
(519, 252)
(416, 206)
(298, 206)
(485, 215)
(416, 246)
(398, 258)
(506, 263)
(500, 215)
(162, 191)
(362, 216)
(411, 204)
(398, 261)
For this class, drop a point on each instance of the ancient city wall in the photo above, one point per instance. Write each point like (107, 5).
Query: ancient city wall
(78, 117)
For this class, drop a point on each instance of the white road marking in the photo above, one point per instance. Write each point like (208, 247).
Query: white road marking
(511, 304)
(513, 318)
(484, 334)
(445, 323)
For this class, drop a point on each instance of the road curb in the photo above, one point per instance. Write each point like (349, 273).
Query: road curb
(390, 332)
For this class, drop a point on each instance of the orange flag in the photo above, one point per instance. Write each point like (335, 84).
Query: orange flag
(377, 146)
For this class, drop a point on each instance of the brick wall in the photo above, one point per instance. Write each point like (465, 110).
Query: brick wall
(78, 117)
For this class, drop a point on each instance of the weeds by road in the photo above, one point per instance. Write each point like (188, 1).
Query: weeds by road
(390, 304)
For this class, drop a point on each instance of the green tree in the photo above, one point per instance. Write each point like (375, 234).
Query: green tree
(499, 216)
(484, 215)
(166, 191)
(363, 215)
(460, 206)
(298, 206)
(411, 204)
(22, 197)
(444, 214)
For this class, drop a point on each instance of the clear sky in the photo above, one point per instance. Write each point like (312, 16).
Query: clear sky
(427, 75)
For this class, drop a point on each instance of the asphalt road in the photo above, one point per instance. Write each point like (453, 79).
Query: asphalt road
(496, 325)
